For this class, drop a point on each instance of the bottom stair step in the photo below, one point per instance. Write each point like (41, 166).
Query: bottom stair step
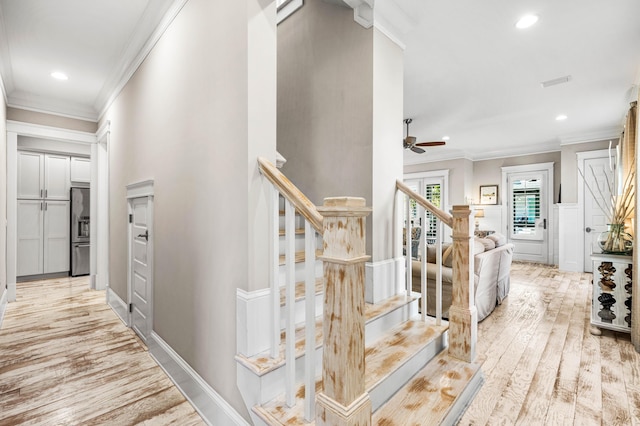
(437, 395)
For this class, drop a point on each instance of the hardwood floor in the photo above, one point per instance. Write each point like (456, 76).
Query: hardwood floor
(65, 358)
(543, 366)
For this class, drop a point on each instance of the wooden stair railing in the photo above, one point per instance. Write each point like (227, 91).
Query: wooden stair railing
(463, 322)
(295, 200)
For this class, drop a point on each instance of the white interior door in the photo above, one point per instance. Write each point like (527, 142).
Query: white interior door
(140, 266)
(597, 172)
(528, 215)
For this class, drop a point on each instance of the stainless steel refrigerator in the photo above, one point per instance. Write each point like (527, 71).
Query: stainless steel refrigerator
(80, 225)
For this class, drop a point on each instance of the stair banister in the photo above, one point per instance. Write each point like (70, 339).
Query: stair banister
(295, 201)
(463, 322)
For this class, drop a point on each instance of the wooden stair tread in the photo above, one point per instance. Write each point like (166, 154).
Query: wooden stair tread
(262, 363)
(300, 290)
(431, 393)
(298, 231)
(299, 257)
(382, 358)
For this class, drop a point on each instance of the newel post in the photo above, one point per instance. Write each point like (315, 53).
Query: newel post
(463, 318)
(344, 400)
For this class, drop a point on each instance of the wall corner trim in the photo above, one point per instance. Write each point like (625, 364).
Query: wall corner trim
(214, 409)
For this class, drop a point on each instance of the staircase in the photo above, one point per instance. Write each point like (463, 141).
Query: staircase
(401, 371)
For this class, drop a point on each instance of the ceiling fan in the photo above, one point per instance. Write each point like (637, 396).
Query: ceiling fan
(410, 141)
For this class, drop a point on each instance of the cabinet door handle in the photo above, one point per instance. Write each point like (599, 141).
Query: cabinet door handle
(46, 193)
(41, 193)
(45, 207)
(41, 206)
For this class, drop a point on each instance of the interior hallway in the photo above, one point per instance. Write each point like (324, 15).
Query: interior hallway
(65, 358)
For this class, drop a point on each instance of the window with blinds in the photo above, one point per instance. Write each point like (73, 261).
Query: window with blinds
(432, 193)
(525, 206)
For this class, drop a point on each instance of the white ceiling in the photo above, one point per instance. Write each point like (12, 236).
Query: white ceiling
(469, 73)
(94, 42)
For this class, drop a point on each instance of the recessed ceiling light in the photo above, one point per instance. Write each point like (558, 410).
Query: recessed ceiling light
(59, 76)
(561, 117)
(526, 21)
(445, 138)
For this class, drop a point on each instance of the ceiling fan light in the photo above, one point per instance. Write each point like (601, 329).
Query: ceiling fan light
(445, 138)
(561, 117)
(526, 21)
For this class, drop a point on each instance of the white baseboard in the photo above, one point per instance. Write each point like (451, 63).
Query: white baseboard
(118, 305)
(382, 279)
(209, 404)
(253, 326)
(3, 304)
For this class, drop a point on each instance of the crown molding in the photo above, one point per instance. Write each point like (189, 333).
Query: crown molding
(48, 132)
(287, 8)
(131, 63)
(51, 106)
(599, 135)
(362, 10)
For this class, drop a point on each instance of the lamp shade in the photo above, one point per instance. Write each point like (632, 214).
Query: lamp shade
(479, 213)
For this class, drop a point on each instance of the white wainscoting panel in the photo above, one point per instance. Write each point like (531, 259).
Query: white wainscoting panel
(207, 402)
(118, 305)
(570, 253)
(381, 280)
(252, 328)
(556, 234)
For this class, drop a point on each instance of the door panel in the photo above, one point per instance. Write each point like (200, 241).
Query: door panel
(57, 177)
(30, 175)
(597, 172)
(29, 237)
(57, 238)
(140, 274)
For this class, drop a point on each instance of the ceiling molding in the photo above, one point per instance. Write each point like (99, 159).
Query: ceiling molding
(51, 106)
(287, 8)
(600, 135)
(130, 64)
(48, 132)
(362, 10)
(393, 21)
(3, 90)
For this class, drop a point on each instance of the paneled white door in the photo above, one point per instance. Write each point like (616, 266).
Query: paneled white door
(30, 237)
(140, 266)
(598, 175)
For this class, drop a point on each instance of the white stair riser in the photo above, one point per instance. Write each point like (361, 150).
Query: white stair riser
(272, 383)
(300, 310)
(376, 328)
(299, 272)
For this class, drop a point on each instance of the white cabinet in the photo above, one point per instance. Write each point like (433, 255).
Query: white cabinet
(43, 176)
(80, 170)
(43, 234)
(30, 237)
(43, 237)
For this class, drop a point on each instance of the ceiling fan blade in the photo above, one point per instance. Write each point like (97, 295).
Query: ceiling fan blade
(435, 143)
(418, 150)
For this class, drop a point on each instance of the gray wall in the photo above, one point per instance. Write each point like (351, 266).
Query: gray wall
(325, 98)
(460, 176)
(570, 167)
(43, 119)
(489, 172)
(183, 120)
(3, 193)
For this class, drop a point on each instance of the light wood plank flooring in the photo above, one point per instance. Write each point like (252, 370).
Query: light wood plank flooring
(65, 358)
(543, 366)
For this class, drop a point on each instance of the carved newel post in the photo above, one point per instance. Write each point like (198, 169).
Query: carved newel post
(343, 400)
(463, 317)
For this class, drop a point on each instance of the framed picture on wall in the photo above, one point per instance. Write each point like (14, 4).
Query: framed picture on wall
(488, 194)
